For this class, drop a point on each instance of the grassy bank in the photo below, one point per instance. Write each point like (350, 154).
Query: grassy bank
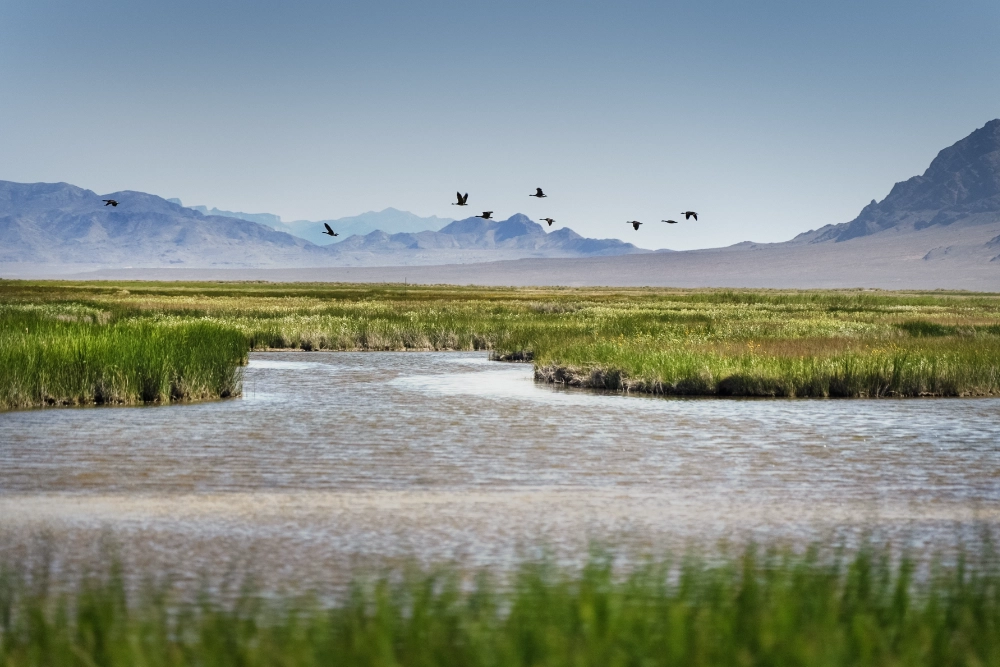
(954, 367)
(777, 609)
(79, 357)
(694, 342)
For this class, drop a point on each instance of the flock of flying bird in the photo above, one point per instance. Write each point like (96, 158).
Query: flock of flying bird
(463, 200)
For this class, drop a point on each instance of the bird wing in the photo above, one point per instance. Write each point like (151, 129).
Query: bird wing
(459, 195)
(465, 198)
(327, 225)
(538, 191)
(694, 215)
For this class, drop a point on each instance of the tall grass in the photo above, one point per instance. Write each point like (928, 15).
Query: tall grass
(772, 609)
(77, 359)
(712, 342)
(946, 368)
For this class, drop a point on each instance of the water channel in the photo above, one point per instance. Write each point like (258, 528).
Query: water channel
(331, 461)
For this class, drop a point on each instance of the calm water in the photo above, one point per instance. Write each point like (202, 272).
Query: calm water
(331, 460)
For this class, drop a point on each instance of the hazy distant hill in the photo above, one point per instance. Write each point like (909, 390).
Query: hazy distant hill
(474, 239)
(59, 223)
(961, 185)
(390, 220)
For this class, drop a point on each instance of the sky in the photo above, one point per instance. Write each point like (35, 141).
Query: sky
(769, 118)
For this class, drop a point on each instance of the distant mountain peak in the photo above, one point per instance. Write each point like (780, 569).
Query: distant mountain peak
(962, 182)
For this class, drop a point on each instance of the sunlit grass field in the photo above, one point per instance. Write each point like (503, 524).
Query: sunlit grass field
(850, 343)
(775, 608)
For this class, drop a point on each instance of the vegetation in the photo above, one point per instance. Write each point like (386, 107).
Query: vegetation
(695, 342)
(76, 356)
(775, 609)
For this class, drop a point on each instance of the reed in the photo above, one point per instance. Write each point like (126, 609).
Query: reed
(81, 357)
(770, 608)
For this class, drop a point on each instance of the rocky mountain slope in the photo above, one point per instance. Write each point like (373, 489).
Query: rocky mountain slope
(961, 185)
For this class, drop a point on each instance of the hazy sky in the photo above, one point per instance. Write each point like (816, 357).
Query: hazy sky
(769, 118)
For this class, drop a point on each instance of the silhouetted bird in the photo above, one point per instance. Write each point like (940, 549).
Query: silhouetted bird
(669, 222)
(690, 214)
(548, 220)
(329, 231)
(538, 193)
(487, 215)
(462, 199)
(110, 202)
(635, 224)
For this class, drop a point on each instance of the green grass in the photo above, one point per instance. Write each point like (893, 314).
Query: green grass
(694, 342)
(778, 608)
(79, 357)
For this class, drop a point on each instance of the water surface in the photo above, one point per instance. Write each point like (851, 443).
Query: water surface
(331, 460)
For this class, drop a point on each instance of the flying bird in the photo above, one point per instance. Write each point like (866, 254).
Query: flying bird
(548, 220)
(462, 199)
(538, 193)
(690, 214)
(669, 222)
(487, 215)
(329, 231)
(635, 224)
(110, 202)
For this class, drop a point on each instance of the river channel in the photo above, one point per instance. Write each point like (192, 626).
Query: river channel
(333, 461)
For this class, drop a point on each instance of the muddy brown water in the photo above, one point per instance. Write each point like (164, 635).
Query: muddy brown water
(334, 461)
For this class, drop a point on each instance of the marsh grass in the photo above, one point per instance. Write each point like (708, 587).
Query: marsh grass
(771, 608)
(695, 342)
(79, 358)
(783, 368)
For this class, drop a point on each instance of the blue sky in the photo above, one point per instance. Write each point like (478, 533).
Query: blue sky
(769, 118)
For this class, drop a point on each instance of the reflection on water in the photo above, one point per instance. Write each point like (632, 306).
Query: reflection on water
(338, 458)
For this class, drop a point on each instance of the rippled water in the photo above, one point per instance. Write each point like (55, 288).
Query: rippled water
(339, 459)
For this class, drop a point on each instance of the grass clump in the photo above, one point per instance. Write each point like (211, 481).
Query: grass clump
(57, 358)
(778, 608)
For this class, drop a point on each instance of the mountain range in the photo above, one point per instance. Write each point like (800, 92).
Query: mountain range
(59, 225)
(940, 229)
(389, 220)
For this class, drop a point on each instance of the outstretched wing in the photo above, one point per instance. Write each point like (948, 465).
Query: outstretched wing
(694, 215)
(327, 225)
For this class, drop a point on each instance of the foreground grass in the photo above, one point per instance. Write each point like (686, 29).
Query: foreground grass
(777, 609)
(695, 342)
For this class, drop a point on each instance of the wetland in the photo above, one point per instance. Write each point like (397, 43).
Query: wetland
(438, 507)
